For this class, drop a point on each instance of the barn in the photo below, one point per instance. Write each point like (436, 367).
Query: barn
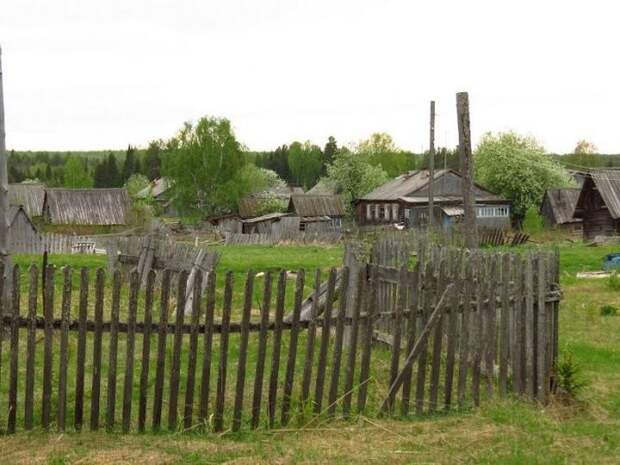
(598, 205)
(30, 196)
(23, 233)
(318, 212)
(404, 199)
(558, 208)
(93, 207)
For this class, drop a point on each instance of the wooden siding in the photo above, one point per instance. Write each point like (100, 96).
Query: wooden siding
(86, 206)
(29, 196)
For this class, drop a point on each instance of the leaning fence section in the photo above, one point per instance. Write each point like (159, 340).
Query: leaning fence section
(83, 349)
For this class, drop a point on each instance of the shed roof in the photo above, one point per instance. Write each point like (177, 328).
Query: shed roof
(317, 205)
(29, 195)
(87, 206)
(407, 184)
(267, 217)
(608, 184)
(563, 203)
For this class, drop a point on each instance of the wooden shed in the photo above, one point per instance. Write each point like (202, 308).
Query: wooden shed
(159, 191)
(598, 205)
(318, 212)
(404, 199)
(558, 209)
(95, 207)
(23, 233)
(28, 195)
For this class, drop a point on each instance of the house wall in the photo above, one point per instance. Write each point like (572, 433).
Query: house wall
(22, 234)
(596, 218)
(380, 212)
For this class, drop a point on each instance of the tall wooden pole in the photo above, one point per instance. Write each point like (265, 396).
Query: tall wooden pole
(4, 185)
(467, 170)
(431, 171)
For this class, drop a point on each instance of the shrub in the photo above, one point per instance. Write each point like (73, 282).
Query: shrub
(570, 376)
(533, 221)
(608, 310)
(613, 282)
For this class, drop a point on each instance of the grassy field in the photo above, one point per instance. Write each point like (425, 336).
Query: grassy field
(501, 432)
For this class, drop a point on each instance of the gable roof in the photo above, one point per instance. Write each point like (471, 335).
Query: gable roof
(563, 203)
(29, 195)
(17, 210)
(156, 188)
(607, 183)
(87, 206)
(409, 183)
(317, 205)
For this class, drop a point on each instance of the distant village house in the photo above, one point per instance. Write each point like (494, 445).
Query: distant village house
(93, 207)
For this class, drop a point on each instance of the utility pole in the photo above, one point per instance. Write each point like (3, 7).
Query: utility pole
(4, 186)
(431, 171)
(467, 170)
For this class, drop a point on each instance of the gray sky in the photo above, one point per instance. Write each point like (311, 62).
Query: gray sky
(94, 75)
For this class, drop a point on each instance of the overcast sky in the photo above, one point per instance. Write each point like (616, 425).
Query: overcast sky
(104, 74)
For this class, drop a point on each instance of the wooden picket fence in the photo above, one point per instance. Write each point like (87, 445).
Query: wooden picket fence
(223, 365)
(52, 243)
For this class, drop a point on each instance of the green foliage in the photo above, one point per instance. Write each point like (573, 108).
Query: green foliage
(533, 221)
(517, 168)
(305, 162)
(135, 184)
(131, 165)
(76, 174)
(381, 151)
(613, 282)
(207, 168)
(353, 175)
(608, 310)
(570, 376)
(151, 165)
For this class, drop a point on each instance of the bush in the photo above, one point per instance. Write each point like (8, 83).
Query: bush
(570, 377)
(613, 282)
(608, 310)
(533, 221)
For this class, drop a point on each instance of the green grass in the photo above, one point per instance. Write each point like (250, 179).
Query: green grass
(500, 432)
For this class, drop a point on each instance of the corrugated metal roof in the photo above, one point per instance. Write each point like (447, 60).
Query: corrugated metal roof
(87, 206)
(608, 184)
(28, 195)
(563, 203)
(317, 205)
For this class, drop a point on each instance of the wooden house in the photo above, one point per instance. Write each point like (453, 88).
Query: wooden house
(598, 205)
(159, 191)
(558, 209)
(93, 207)
(405, 200)
(22, 233)
(318, 212)
(28, 195)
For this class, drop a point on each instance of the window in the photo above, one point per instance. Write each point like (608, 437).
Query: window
(368, 211)
(380, 212)
(492, 212)
(407, 212)
(395, 212)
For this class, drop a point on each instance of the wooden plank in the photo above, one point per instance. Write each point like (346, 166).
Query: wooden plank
(31, 347)
(360, 299)
(338, 342)
(81, 351)
(542, 379)
(466, 324)
(146, 350)
(277, 344)
(97, 352)
(175, 367)
(310, 338)
(243, 352)
(529, 382)
(292, 352)
(477, 329)
(113, 357)
(396, 339)
(134, 287)
(218, 419)
(452, 334)
(13, 367)
(413, 305)
(491, 322)
(158, 394)
(325, 335)
(366, 340)
(262, 350)
(504, 342)
(64, 345)
(205, 384)
(193, 349)
(437, 342)
(429, 284)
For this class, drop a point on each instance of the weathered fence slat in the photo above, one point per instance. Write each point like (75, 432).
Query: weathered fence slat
(466, 329)
(97, 351)
(111, 400)
(13, 375)
(366, 342)
(205, 383)
(504, 326)
(262, 350)
(455, 277)
(292, 352)
(193, 349)
(338, 341)
(360, 299)
(277, 345)
(428, 290)
(175, 367)
(243, 352)
(64, 345)
(31, 348)
(81, 351)
(134, 286)
(412, 320)
(158, 395)
(325, 336)
(310, 338)
(437, 343)
(396, 346)
(146, 351)
(218, 418)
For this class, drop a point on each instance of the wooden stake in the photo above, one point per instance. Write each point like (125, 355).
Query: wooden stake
(431, 170)
(4, 189)
(467, 170)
